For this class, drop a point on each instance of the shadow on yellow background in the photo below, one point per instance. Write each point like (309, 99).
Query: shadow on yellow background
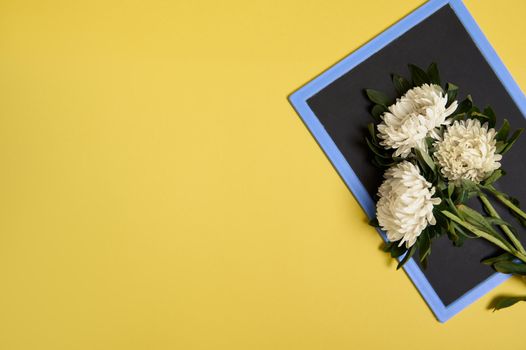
(159, 192)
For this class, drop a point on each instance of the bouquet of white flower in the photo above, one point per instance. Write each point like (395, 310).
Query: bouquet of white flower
(437, 153)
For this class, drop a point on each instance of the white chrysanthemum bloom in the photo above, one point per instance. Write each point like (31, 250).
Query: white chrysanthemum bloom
(413, 117)
(405, 207)
(467, 151)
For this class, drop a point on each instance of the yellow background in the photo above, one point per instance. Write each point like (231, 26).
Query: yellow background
(157, 191)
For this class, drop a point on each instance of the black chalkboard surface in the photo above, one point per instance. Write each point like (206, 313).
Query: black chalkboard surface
(343, 110)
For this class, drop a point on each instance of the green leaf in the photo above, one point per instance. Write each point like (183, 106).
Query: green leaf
(462, 196)
(441, 185)
(499, 146)
(474, 109)
(499, 222)
(432, 73)
(377, 151)
(395, 250)
(476, 219)
(512, 140)
(504, 302)
(372, 132)
(469, 185)
(384, 162)
(424, 245)
(502, 257)
(481, 117)
(453, 236)
(452, 206)
(463, 232)
(465, 191)
(424, 156)
(492, 117)
(457, 234)
(459, 116)
(465, 105)
(430, 142)
(450, 189)
(418, 76)
(519, 218)
(452, 91)
(497, 174)
(510, 267)
(378, 97)
(386, 247)
(504, 131)
(408, 256)
(401, 84)
(377, 112)
(513, 200)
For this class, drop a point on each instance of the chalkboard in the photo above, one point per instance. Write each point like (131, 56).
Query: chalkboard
(343, 111)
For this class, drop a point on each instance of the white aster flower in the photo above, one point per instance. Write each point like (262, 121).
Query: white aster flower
(467, 151)
(413, 117)
(405, 207)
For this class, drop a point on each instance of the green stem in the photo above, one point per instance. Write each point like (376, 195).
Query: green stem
(482, 234)
(505, 229)
(506, 201)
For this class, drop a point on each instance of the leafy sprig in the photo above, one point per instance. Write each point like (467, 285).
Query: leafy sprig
(454, 217)
(383, 158)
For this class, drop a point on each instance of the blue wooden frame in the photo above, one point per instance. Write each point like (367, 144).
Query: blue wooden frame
(299, 101)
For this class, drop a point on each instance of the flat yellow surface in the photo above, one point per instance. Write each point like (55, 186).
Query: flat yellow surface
(157, 190)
